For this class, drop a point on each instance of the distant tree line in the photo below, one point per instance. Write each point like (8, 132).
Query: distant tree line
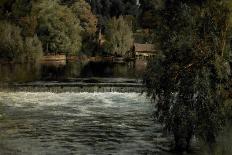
(71, 27)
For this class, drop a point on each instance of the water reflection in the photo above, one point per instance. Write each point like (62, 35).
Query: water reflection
(19, 72)
(62, 71)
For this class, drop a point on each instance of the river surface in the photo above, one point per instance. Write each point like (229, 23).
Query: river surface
(55, 71)
(78, 123)
(110, 123)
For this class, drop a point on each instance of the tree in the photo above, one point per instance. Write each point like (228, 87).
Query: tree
(119, 36)
(106, 9)
(131, 7)
(19, 13)
(58, 28)
(13, 47)
(11, 41)
(5, 8)
(28, 24)
(21, 8)
(149, 13)
(33, 48)
(188, 80)
(88, 23)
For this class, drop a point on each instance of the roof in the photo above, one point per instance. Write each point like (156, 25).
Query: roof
(144, 47)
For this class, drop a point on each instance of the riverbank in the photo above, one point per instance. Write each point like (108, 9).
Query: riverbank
(86, 58)
(64, 58)
(61, 57)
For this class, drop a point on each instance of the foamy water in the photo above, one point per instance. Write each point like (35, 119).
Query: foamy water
(78, 123)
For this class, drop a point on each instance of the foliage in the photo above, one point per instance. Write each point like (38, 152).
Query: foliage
(106, 9)
(131, 20)
(119, 36)
(67, 26)
(28, 25)
(13, 47)
(58, 28)
(33, 48)
(149, 13)
(88, 23)
(5, 8)
(11, 41)
(188, 80)
(21, 8)
(223, 145)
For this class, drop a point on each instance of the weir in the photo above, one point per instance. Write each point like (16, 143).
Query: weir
(79, 85)
(55, 115)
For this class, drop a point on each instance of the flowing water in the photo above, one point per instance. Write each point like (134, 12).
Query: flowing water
(81, 123)
(78, 123)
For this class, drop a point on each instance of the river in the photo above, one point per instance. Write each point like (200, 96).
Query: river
(79, 123)
(70, 70)
(83, 123)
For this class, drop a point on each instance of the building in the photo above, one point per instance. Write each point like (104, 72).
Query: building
(144, 50)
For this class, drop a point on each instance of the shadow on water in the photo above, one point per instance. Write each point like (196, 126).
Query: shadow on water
(70, 70)
(223, 145)
(19, 72)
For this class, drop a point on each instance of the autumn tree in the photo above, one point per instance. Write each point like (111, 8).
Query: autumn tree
(88, 20)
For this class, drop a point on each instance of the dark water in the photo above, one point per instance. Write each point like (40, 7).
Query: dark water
(79, 123)
(70, 70)
(45, 123)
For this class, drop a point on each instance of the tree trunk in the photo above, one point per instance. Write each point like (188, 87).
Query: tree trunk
(180, 143)
(183, 141)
